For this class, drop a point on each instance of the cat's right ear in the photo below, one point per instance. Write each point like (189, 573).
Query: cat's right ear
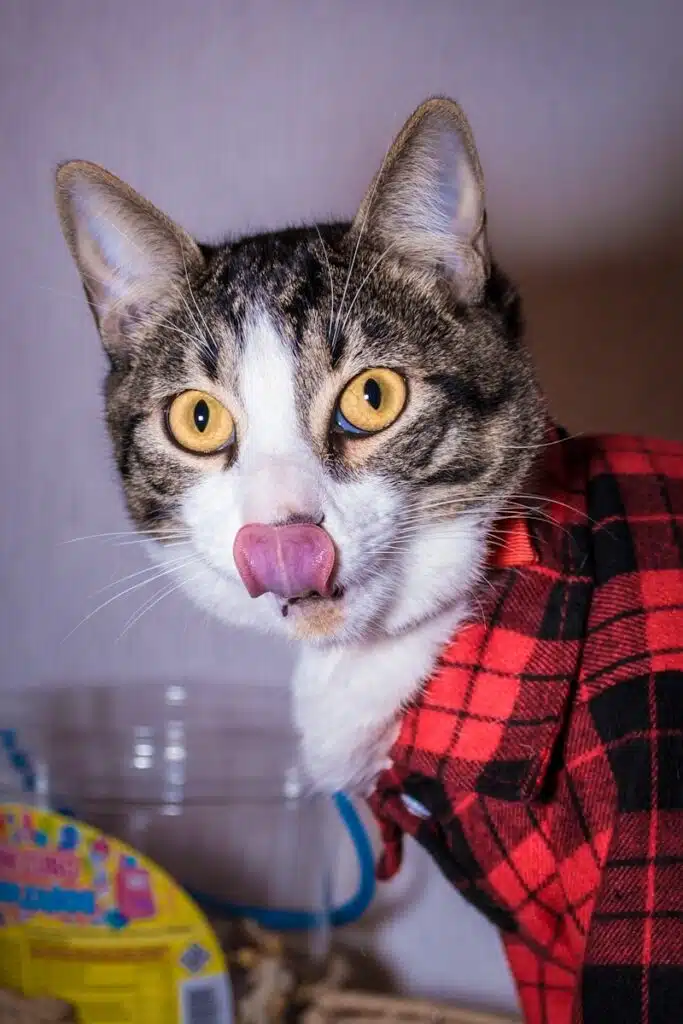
(131, 257)
(426, 204)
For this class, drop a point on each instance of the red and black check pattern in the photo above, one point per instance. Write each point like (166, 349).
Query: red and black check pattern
(547, 748)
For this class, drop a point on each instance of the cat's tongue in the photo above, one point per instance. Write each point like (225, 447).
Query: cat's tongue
(289, 561)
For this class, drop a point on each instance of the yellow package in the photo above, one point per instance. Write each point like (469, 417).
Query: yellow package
(87, 919)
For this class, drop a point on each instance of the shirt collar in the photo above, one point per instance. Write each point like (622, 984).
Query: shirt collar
(514, 548)
(557, 504)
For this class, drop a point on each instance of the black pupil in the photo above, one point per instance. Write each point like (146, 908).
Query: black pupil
(372, 393)
(201, 415)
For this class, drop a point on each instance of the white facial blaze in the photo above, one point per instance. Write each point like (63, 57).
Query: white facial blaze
(278, 473)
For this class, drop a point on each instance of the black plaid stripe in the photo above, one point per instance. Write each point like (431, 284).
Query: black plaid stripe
(621, 712)
(613, 549)
(613, 994)
(669, 795)
(622, 717)
(526, 595)
(507, 780)
(565, 611)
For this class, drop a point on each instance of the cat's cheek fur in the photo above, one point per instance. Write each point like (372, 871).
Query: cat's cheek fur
(439, 570)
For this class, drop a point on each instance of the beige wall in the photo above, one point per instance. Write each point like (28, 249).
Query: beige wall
(607, 333)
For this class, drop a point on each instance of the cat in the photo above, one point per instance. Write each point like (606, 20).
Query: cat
(317, 427)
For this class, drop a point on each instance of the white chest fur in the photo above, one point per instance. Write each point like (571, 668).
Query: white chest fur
(347, 701)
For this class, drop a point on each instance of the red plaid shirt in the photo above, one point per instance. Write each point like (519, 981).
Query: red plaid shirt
(542, 765)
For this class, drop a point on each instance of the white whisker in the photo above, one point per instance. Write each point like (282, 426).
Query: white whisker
(366, 215)
(542, 444)
(329, 271)
(364, 282)
(509, 501)
(141, 534)
(110, 600)
(146, 540)
(171, 565)
(156, 320)
(201, 338)
(148, 605)
(209, 335)
(166, 325)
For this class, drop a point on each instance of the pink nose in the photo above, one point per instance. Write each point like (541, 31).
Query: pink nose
(289, 561)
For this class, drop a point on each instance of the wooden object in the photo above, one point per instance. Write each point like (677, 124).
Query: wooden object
(335, 1007)
(17, 1009)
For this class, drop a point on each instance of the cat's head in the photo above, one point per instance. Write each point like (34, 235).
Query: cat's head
(317, 424)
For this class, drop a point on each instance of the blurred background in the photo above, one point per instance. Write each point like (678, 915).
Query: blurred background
(234, 115)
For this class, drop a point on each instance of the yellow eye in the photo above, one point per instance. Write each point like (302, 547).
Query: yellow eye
(371, 401)
(199, 423)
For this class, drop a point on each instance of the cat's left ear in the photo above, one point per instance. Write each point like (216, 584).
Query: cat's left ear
(131, 257)
(426, 203)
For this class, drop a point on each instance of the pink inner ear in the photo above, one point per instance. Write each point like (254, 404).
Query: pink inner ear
(106, 281)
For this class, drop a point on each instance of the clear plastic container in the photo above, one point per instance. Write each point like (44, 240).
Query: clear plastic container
(201, 778)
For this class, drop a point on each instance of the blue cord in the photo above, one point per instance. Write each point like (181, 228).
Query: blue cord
(306, 920)
(19, 760)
